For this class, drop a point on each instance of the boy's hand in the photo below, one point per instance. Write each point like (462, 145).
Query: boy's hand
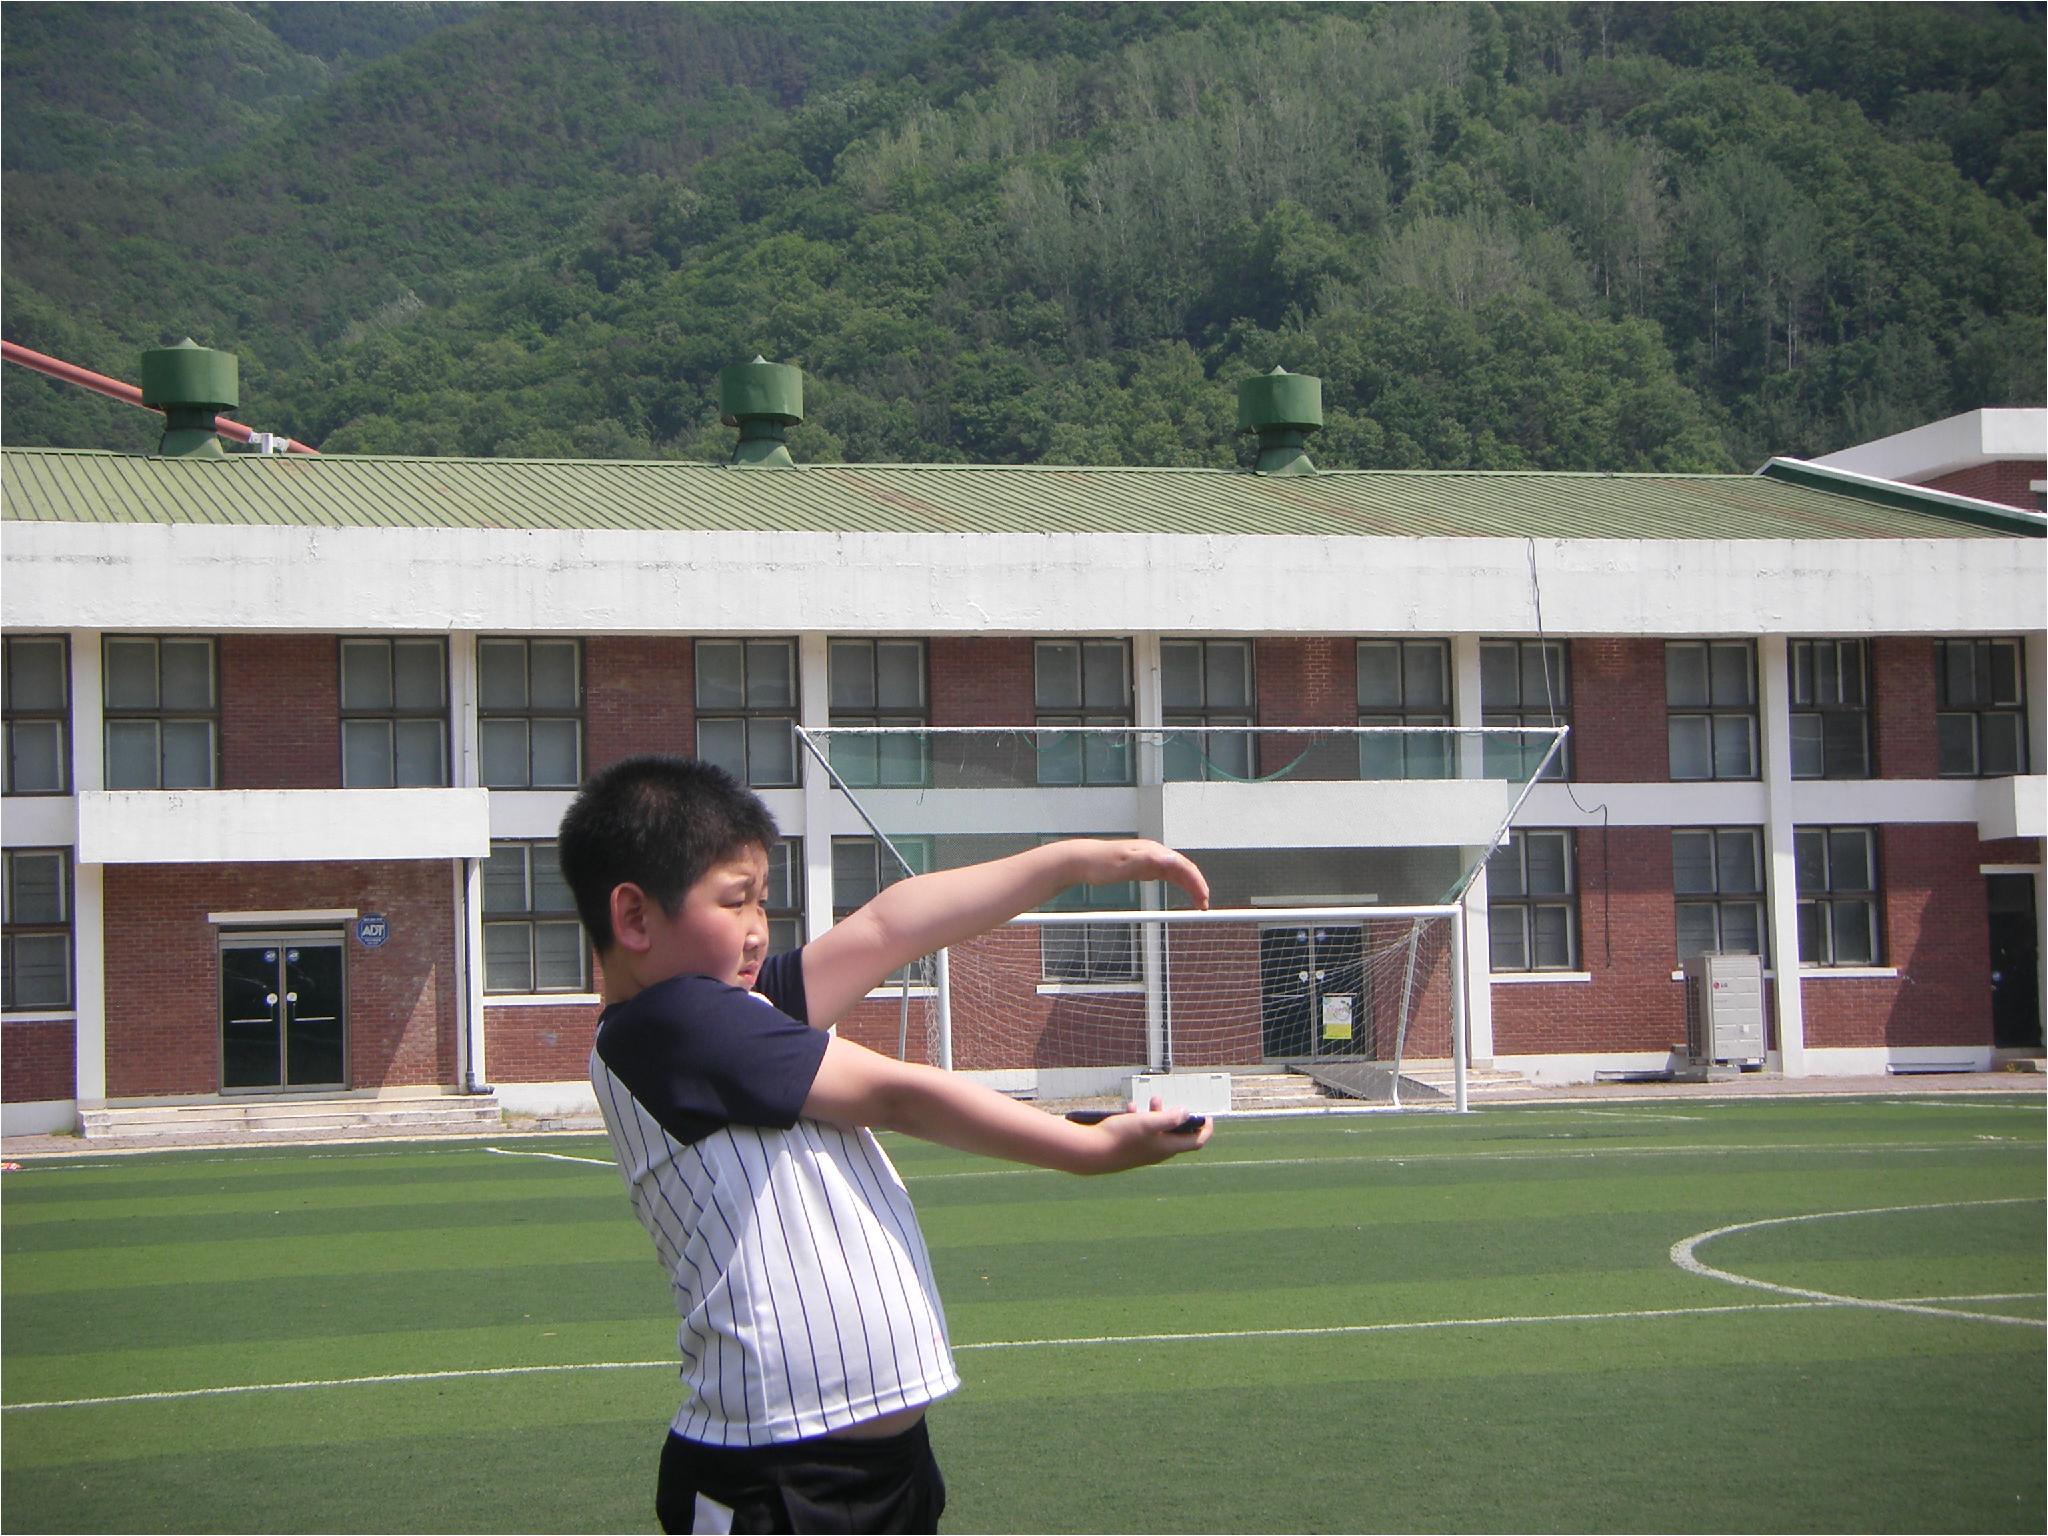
(1110, 861)
(1143, 1136)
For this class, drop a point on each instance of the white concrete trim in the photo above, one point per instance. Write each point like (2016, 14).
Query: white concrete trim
(1580, 1066)
(543, 999)
(39, 821)
(39, 1117)
(41, 1016)
(285, 918)
(89, 973)
(1872, 1060)
(1942, 447)
(1781, 876)
(573, 1099)
(249, 826)
(213, 579)
(1848, 973)
(1532, 978)
(2009, 869)
(1090, 989)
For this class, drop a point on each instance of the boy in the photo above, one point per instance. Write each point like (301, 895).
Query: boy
(811, 1336)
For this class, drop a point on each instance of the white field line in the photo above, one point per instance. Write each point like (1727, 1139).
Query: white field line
(1224, 1336)
(1341, 1330)
(1534, 1154)
(1684, 1255)
(554, 1157)
(1939, 1103)
(1622, 1114)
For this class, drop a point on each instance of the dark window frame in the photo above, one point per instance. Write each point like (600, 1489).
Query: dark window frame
(16, 715)
(1961, 715)
(531, 918)
(1420, 757)
(1716, 710)
(1208, 730)
(1825, 894)
(749, 713)
(117, 715)
(530, 713)
(1553, 709)
(13, 931)
(867, 762)
(1518, 900)
(394, 714)
(1720, 899)
(1099, 760)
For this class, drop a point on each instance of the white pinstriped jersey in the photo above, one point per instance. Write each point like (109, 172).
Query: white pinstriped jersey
(795, 1259)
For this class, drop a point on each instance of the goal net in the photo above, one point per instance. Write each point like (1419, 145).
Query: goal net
(1336, 857)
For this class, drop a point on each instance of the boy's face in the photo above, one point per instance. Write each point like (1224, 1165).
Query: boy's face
(720, 929)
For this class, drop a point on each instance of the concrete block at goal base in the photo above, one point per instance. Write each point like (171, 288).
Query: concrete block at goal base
(1199, 1093)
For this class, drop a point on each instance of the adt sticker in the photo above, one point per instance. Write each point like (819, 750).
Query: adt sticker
(372, 929)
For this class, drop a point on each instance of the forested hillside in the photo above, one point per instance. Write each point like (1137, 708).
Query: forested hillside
(1553, 236)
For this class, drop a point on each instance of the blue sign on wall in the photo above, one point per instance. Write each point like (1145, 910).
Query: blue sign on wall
(372, 929)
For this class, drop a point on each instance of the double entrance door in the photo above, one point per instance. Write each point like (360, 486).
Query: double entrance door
(1312, 994)
(283, 1015)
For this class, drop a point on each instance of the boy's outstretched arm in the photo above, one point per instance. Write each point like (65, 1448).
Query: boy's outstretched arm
(928, 912)
(857, 1086)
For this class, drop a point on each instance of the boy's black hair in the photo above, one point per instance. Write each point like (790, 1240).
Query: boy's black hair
(658, 822)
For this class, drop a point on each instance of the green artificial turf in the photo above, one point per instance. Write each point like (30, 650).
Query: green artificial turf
(1361, 1323)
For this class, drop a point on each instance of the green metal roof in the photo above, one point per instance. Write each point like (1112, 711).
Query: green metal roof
(337, 491)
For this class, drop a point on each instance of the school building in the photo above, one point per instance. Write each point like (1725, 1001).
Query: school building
(288, 737)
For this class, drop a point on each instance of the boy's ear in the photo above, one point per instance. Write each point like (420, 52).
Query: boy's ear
(632, 911)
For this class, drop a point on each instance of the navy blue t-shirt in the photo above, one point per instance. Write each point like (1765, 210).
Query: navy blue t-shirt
(700, 1054)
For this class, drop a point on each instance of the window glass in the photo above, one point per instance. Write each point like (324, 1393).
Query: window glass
(1692, 863)
(1731, 675)
(1685, 676)
(555, 682)
(188, 754)
(35, 674)
(501, 674)
(899, 674)
(365, 675)
(770, 682)
(421, 671)
(366, 754)
(1058, 671)
(35, 761)
(1180, 674)
(721, 675)
(1379, 675)
(130, 674)
(852, 674)
(1105, 675)
(502, 750)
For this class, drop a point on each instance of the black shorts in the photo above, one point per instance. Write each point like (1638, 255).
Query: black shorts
(834, 1485)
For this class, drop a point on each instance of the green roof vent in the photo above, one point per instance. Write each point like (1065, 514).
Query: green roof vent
(764, 400)
(1283, 408)
(191, 385)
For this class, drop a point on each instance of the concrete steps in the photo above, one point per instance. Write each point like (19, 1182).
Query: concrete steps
(1424, 1082)
(294, 1119)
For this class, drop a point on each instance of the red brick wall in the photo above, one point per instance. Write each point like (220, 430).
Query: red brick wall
(1618, 714)
(38, 1061)
(639, 696)
(2005, 482)
(280, 712)
(1937, 935)
(1631, 1004)
(1902, 707)
(1307, 682)
(539, 1045)
(982, 682)
(163, 969)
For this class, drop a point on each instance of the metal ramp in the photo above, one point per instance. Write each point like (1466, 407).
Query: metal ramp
(1373, 1082)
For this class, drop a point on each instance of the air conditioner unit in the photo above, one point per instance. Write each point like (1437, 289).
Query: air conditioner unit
(1724, 1009)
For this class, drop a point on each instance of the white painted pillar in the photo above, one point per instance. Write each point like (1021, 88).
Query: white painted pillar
(88, 881)
(814, 709)
(1477, 955)
(472, 1070)
(1781, 876)
(1148, 711)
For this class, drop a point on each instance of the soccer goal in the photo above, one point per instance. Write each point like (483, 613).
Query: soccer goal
(1338, 859)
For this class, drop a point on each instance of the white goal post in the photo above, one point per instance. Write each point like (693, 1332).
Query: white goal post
(1339, 859)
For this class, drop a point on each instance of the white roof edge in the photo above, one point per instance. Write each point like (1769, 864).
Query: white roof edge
(1850, 477)
(1943, 447)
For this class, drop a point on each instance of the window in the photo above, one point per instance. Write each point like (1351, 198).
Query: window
(1524, 683)
(1837, 871)
(1830, 709)
(162, 713)
(1404, 682)
(394, 713)
(532, 939)
(1710, 691)
(862, 868)
(876, 683)
(746, 709)
(1980, 693)
(1207, 684)
(1098, 952)
(785, 896)
(1083, 682)
(530, 713)
(36, 677)
(1717, 877)
(35, 917)
(1532, 897)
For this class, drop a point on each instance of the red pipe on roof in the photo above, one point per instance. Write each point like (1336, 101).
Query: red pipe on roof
(85, 378)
